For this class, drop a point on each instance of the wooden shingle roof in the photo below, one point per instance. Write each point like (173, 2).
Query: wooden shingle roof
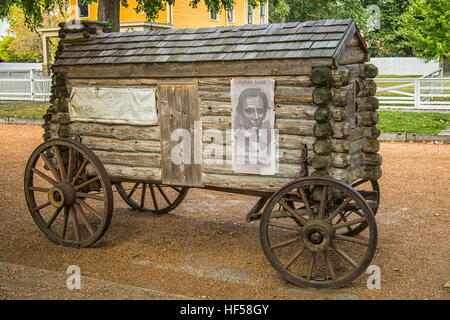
(294, 40)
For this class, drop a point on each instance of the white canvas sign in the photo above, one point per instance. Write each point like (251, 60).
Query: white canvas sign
(135, 106)
(253, 126)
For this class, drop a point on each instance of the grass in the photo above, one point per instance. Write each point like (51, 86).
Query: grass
(413, 122)
(29, 111)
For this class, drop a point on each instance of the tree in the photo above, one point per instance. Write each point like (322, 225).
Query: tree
(385, 39)
(108, 10)
(22, 44)
(304, 10)
(426, 29)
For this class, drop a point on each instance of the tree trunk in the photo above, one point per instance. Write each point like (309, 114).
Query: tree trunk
(109, 10)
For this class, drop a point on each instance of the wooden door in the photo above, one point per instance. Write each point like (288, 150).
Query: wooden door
(178, 106)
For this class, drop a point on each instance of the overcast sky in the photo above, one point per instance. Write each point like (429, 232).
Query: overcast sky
(3, 27)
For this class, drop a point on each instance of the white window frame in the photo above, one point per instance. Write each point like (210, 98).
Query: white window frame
(79, 11)
(211, 17)
(262, 7)
(232, 15)
(253, 13)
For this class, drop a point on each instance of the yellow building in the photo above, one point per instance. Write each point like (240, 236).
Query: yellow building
(180, 15)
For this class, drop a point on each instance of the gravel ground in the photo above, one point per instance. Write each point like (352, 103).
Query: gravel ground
(205, 249)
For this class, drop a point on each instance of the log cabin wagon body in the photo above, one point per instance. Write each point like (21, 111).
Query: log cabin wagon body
(120, 100)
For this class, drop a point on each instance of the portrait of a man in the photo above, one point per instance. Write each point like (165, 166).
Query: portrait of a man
(253, 120)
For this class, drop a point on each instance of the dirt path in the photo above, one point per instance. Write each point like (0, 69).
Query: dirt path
(205, 249)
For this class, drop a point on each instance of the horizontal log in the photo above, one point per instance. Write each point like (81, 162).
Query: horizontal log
(341, 130)
(372, 159)
(108, 144)
(346, 145)
(281, 67)
(320, 162)
(372, 173)
(367, 104)
(340, 77)
(345, 175)
(322, 114)
(115, 131)
(369, 118)
(256, 183)
(339, 113)
(285, 141)
(295, 111)
(290, 171)
(345, 160)
(123, 173)
(135, 82)
(370, 132)
(220, 153)
(322, 147)
(366, 88)
(322, 96)
(371, 146)
(129, 159)
(321, 76)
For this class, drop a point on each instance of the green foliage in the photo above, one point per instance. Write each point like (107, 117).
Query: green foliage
(426, 28)
(386, 40)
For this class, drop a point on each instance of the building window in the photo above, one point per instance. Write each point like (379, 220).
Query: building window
(212, 14)
(82, 9)
(249, 13)
(230, 15)
(262, 13)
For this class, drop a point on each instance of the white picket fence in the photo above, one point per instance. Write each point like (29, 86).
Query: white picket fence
(429, 92)
(26, 85)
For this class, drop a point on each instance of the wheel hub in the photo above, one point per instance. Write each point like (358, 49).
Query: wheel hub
(62, 195)
(317, 235)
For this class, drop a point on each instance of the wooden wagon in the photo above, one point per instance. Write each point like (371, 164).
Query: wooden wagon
(122, 104)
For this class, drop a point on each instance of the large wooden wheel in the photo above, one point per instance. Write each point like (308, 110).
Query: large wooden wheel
(302, 237)
(68, 193)
(151, 197)
(370, 191)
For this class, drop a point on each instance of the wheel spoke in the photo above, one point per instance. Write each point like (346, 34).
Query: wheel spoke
(161, 190)
(292, 211)
(351, 239)
(70, 166)
(133, 190)
(89, 196)
(62, 170)
(348, 223)
(37, 189)
(144, 187)
(44, 176)
(66, 218)
(329, 265)
(80, 171)
(302, 194)
(42, 206)
(83, 217)
(312, 262)
(323, 202)
(359, 183)
(285, 243)
(76, 225)
(89, 208)
(344, 255)
(155, 202)
(339, 209)
(343, 218)
(284, 227)
(50, 166)
(86, 183)
(295, 257)
(52, 219)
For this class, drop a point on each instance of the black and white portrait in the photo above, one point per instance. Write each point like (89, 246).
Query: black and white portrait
(253, 119)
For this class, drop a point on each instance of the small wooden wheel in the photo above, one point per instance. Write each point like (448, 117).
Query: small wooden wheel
(370, 191)
(68, 193)
(151, 197)
(303, 242)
